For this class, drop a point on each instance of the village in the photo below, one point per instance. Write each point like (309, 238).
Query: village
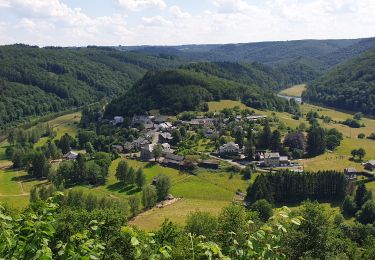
(160, 141)
(157, 143)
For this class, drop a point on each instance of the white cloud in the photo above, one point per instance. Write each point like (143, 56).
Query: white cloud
(52, 22)
(4, 3)
(232, 6)
(137, 5)
(156, 21)
(178, 13)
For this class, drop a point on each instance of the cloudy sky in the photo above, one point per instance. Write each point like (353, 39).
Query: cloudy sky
(172, 22)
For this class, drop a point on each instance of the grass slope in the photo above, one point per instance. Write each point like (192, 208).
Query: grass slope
(295, 91)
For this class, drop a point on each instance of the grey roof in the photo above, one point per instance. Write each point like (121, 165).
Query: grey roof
(271, 155)
(372, 162)
(174, 157)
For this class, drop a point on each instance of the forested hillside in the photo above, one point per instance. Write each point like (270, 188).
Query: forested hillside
(348, 86)
(35, 81)
(180, 90)
(298, 61)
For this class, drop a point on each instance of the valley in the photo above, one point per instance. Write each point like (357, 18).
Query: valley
(171, 148)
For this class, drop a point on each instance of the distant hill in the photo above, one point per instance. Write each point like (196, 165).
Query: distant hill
(301, 61)
(350, 85)
(35, 81)
(187, 89)
(264, 52)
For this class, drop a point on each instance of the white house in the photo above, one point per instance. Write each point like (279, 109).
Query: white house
(229, 148)
(70, 155)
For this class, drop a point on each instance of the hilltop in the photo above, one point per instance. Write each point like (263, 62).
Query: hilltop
(187, 89)
(349, 86)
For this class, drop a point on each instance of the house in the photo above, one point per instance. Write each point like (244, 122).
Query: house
(118, 120)
(165, 126)
(70, 155)
(255, 117)
(370, 165)
(160, 119)
(147, 152)
(229, 148)
(165, 138)
(166, 148)
(206, 122)
(118, 148)
(284, 161)
(173, 160)
(141, 120)
(139, 143)
(209, 164)
(350, 174)
(272, 159)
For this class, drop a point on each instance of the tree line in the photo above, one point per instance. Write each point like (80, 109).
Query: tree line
(287, 186)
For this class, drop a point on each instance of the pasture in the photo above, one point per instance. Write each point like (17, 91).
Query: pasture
(294, 91)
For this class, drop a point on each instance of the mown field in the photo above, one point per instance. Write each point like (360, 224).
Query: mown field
(295, 91)
(207, 191)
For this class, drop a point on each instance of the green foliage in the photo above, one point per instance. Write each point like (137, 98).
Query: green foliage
(310, 238)
(202, 224)
(366, 215)
(362, 195)
(140, 178)
(163, 185)
(264, 209)
(349, 208)
(316, 141)
(149, 196)
(39, 166)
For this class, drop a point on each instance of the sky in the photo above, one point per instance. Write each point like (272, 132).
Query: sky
(176, 22)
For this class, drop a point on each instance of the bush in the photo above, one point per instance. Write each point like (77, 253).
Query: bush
(366, 215)
(264, 208)
(202, 223)
(163, 185)
(349, 207)
(361, 136)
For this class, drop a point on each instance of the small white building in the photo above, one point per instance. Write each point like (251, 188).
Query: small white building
(70, 155)
(166, 148)
(229, 148)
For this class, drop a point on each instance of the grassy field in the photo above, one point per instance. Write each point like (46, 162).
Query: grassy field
(61, 125)
(207, 191)
(295, 91)
(220, 105)
(177, 212)
(15, 185)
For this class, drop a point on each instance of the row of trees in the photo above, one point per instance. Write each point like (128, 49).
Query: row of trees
(128, 176)
(286, 186)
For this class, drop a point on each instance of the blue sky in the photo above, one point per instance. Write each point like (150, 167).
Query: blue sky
(173, 22)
